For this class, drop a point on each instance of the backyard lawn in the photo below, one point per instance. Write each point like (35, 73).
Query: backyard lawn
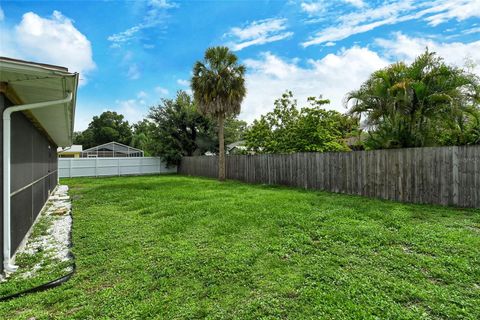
(174, 247)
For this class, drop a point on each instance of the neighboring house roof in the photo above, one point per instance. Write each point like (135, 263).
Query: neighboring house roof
(75, 148)
(113, 146)
(25, 82)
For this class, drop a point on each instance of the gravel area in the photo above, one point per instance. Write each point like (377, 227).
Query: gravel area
(54, 243)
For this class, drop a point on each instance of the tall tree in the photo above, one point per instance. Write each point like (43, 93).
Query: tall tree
(218, 86)
(84, 138)
(425, 103)
(180, 130)
(109, 126)
(142, 137)
(234, 130)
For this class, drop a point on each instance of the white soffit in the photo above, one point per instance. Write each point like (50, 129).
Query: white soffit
(33, 83)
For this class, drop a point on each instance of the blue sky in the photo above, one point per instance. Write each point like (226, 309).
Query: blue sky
(132, 54)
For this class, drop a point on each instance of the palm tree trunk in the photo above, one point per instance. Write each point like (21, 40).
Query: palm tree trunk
(221, 149)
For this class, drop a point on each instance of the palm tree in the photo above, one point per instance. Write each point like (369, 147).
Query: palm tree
(416, 105)
(218, 86)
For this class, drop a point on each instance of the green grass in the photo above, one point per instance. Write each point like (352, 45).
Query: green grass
(173, 247)
(38, 268)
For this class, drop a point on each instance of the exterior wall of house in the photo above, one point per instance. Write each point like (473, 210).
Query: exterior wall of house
(33, 176)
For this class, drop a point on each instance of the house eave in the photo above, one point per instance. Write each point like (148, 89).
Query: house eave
(25, 82)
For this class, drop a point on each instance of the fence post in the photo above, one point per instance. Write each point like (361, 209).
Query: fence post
(455, 180)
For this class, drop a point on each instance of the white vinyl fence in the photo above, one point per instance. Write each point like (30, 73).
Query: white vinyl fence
(102, 167)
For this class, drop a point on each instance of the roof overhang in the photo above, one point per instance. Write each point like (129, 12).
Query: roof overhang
(26, 82)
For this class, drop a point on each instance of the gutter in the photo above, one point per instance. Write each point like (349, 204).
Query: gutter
(8, 266)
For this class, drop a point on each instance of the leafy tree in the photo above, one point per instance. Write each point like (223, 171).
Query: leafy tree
(109, 126)
(234, 130)
(472, 130)
(218, 86)
(287, 129)
(425, 103)
(467, 130)
(142, 138)
(84, 138)
(179, 130)
(176, 129)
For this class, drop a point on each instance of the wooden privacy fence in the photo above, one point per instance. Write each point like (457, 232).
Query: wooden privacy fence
(439, 175)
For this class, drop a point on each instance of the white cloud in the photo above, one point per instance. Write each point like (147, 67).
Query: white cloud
(356, 3)
(336, 34)
(472, 30)
(183, 82)
(312, 7)
(154, 16)
(53, 40)
(161, 91)
(163, 4)
(2, 14)
(134, 110)
(83, 116)
(272, 65)
(257, 33)
(363, 21)
(389, 13)
(456, 9)
(131, 69)
(133, 72)
(403, 47)
(258, 28)
(332, 76)
(124, 36)
(321, 7)
(142, 94)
